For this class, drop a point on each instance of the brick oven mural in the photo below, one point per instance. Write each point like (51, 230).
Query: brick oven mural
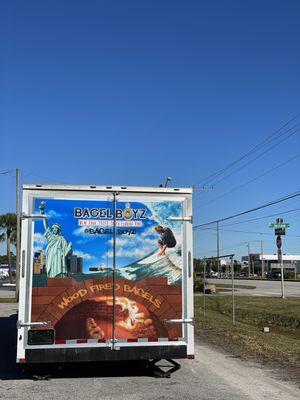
(84, 309)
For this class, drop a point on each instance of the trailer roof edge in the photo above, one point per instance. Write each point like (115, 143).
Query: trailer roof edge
(96, 188)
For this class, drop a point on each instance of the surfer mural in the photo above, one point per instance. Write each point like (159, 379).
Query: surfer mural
(78, 270)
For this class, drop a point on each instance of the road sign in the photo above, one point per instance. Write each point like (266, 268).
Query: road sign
(279, 231)
(281, 225)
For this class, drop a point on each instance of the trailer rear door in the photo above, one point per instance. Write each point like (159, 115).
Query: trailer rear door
(149, 283)
(106, 269)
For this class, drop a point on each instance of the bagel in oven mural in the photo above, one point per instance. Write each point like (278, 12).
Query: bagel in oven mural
(73, 268)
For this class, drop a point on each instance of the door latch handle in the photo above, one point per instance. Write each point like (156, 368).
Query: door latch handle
(181, 219)
(179, 321)
(21, 324)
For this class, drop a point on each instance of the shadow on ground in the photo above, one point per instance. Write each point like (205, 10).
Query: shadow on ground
(9, 370)
(8, 335)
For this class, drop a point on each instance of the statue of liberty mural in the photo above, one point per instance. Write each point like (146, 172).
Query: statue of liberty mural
(58, 251)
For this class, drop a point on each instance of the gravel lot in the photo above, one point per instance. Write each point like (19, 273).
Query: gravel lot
(213, 375)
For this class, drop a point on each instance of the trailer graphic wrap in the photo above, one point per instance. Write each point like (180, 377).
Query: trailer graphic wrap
(72, 283)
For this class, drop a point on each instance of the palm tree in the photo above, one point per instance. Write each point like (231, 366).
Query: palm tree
(8, 226)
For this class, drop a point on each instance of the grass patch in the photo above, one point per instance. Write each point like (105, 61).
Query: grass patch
(280, 347)
(227, 285)
(7, 300)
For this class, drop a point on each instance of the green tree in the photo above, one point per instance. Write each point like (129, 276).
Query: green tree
(198, 265)
(8, 229)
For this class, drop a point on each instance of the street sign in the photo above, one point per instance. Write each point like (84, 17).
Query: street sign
(281, 225)
(279, 231)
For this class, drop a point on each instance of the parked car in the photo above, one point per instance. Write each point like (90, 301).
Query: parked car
(214, 274)
(4, 274)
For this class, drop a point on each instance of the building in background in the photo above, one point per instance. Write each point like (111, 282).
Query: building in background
(291, 263)
(76, 264)
(39, 263)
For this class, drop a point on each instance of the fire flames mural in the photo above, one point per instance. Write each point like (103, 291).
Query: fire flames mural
(73, 284)
(93, 320)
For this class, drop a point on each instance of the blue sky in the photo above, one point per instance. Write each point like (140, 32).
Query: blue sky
(130, 92)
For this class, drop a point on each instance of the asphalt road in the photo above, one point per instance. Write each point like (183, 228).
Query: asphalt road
(211, 376)
(263, 288)
(6, 289)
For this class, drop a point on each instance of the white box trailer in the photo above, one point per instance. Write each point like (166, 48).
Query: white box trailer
(106, 273)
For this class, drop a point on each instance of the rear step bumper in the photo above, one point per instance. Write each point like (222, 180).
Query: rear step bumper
(104, 354)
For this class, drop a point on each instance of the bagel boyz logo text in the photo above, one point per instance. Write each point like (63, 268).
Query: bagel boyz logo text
(106, 213)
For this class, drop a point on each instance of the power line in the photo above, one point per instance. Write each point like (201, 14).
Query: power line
(284, 198)
(43, 177)
(260, 218)
(255, 148)
(257, 157)
(250, 181)
(254, 233)
(31, 173)
(214, 251)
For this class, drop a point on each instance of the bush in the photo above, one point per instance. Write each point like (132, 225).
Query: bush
(198, 283)
(289, 275)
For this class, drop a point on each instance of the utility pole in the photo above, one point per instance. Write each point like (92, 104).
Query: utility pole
(204, 274)
(232, 289)
(218, 247)
(18, 232)
(249, 261)
(279, 253)
(262, 259)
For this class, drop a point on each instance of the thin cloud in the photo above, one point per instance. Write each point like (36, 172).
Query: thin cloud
(85, 256)
(40, 239)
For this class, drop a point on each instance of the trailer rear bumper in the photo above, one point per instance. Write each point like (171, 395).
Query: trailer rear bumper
(104, 354)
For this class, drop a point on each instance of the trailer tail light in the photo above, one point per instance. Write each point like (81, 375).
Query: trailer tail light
(81, 341)
(60, 341)
(21, 360)
(190, 356)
